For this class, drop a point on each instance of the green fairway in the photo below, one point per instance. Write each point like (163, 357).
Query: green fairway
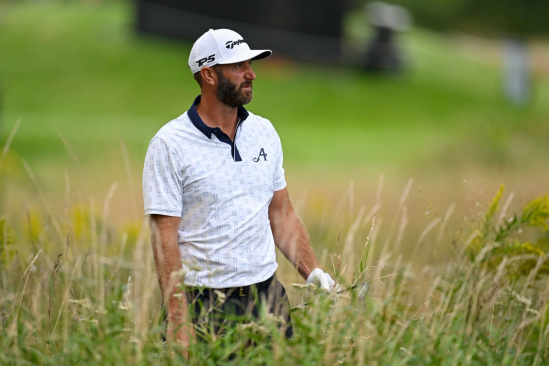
(84, 71)
(88, 87)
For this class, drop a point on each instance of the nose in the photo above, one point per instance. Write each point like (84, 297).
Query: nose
(250, 74)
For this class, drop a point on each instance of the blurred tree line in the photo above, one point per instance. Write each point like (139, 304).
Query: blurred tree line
(507, 18)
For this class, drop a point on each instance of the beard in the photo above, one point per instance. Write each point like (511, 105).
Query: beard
(231, 94)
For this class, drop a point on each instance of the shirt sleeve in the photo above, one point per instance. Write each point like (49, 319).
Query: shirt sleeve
(162, 180)
(279, 178)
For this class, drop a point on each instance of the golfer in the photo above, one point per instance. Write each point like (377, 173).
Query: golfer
(215, 192)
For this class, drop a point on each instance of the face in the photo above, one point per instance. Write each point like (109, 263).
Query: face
(234, 86)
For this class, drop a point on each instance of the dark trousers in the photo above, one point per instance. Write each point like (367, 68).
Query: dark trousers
(215, 310)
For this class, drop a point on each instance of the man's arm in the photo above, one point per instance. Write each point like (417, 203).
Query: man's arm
(168, 260)
(290, 235)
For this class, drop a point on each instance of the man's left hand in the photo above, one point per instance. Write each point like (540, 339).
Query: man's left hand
(322, 279)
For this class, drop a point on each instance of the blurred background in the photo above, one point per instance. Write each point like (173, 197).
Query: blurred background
(412, 112)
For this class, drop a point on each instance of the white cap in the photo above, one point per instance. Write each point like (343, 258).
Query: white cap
(222, 46)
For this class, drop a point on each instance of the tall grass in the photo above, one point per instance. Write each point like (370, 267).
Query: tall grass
(75, 290)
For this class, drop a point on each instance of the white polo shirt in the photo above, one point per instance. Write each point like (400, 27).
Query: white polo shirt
(222, 191)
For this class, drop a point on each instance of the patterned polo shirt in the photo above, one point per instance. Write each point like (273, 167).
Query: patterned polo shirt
(221, 190)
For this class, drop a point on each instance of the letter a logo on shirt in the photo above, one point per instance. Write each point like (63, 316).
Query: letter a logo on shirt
(261, 153)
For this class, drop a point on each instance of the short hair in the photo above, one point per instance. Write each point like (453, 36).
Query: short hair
(198, 76)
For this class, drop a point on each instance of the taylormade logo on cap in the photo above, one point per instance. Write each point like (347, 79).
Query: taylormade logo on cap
(222, 46)
(231, 44)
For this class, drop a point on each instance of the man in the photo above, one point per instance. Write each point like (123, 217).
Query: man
(214, 187)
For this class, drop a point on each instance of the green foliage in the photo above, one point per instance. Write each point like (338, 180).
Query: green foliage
(536, 213)
(503, 241)
(488, 217)
(503, 17)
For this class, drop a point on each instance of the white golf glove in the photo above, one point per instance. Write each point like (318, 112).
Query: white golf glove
(322, 279)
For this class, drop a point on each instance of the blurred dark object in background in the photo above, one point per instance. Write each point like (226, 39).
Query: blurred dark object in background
(303, 29)
(383, 52)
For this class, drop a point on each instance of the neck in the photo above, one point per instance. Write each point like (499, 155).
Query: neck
(216, 114)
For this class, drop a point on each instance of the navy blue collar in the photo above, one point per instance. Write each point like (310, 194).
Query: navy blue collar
(204, 128)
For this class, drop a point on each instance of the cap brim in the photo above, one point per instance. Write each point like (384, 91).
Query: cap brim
(247, 55)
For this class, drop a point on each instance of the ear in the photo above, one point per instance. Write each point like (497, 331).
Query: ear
(208, 75)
